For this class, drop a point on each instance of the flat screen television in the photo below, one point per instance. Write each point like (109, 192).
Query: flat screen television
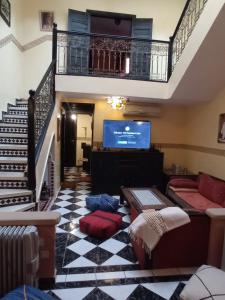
(126, 134)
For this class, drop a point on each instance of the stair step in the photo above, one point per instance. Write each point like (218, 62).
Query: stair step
(13, 164)
(3, 124)
(18, 207)
(13, 147)
(16, 107)
(14, 135)
(12, 176)
(13, 160)
(6, 193)
(21, 101)
(13, 138)
(13, 180)
(13, 150)
(15, 199)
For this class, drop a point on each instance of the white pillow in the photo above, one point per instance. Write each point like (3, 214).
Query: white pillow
(207, 283)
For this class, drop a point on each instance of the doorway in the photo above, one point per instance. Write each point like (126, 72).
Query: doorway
(109, 55)
(77, 140)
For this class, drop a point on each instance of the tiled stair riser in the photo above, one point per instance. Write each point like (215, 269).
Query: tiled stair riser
(12, 130)
(15, 112)
(12, 140)
(13, 120)
(13, 167)
(10, 152)
(13, 184)
(15, 200)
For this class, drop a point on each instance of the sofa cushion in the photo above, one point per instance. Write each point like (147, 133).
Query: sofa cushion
(183, 183)
(206, 283)
(197, 201)
(181, 189)
(205, 186)
(218, 192)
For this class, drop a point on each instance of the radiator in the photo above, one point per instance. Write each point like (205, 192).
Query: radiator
(19, 257)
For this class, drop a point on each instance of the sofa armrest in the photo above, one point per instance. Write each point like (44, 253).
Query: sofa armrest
(216, 213)
(216, 237)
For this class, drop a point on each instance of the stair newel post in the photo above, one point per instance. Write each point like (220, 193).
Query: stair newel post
(54, 42)
(31, 144)
(170, 58)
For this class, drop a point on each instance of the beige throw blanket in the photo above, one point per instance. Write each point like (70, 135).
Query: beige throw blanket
(150, 225)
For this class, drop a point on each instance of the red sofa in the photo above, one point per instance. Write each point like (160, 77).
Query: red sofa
(186, 246)
(201, 193)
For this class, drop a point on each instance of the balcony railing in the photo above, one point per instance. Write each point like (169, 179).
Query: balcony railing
(111, 56)
(99, 55)
(185, 26)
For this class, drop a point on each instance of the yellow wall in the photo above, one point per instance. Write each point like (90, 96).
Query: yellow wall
(201, 129)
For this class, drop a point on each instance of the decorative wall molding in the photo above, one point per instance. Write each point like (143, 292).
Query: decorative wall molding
(37, 42)
(208, 150)
(11, 39)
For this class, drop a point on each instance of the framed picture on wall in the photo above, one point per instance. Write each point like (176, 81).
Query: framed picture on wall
(46, 20)
(221, 131)
(5, 11)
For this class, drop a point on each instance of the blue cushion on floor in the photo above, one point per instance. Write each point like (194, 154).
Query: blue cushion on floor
(102, 202)
(31, 294)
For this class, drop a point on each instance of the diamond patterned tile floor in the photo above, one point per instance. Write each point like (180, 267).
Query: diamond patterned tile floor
(89, 268)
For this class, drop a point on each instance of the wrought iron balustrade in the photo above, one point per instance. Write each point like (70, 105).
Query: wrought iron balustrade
(111, 56)
(185, 26)
(40, 107)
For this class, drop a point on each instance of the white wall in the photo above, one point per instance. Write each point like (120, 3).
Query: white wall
(11, 58)
(165, 14)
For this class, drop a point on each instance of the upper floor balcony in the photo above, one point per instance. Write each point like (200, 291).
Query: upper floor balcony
(145, 69)
(103, 55)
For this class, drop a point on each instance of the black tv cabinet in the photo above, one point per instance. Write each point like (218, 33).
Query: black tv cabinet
(112, 169)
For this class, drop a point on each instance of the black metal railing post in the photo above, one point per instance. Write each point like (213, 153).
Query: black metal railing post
(31, 144)
(54, 55)
(170, 58)
(54, 42)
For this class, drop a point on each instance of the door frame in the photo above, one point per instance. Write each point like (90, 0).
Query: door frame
(76, 108)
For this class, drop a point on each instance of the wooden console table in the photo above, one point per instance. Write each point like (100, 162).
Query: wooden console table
(112, 169)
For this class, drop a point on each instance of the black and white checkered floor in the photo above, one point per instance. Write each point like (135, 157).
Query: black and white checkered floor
(88, 268)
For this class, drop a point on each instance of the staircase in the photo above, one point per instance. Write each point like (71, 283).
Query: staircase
(14, 193)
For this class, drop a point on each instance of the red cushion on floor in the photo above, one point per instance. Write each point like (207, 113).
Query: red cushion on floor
(100, 224)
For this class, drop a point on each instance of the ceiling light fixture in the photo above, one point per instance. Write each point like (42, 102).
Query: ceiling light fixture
(117, 102)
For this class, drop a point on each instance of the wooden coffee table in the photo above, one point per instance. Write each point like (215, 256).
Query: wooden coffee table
(155, 199)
